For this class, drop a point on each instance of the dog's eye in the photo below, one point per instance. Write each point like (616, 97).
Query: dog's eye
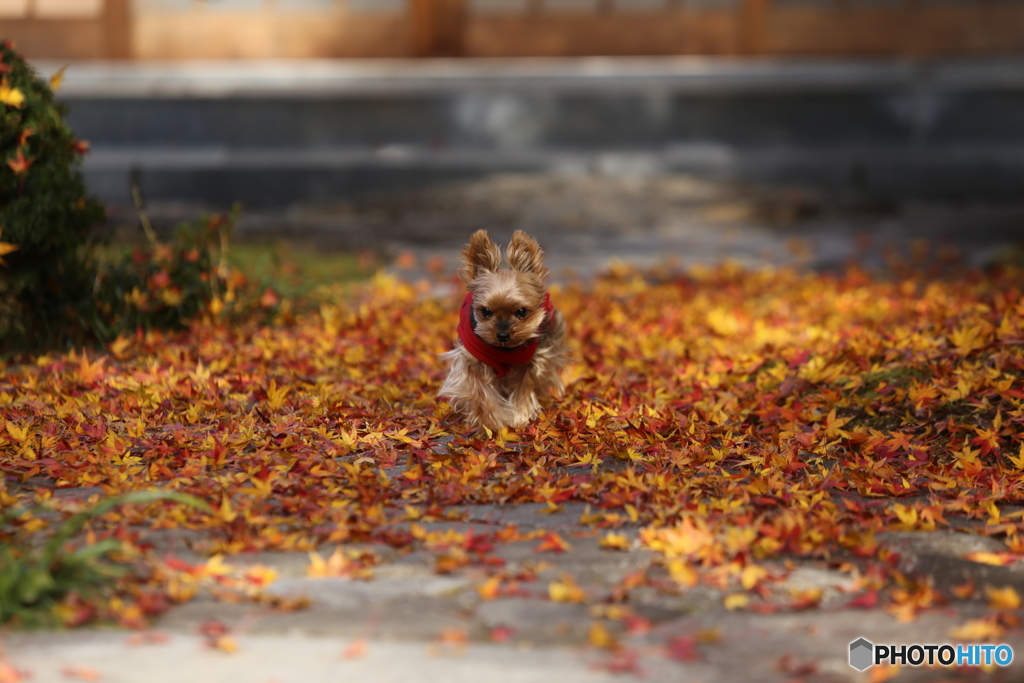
(485, 312)
(521, 313)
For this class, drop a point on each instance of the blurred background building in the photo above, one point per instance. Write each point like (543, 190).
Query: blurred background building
(567, 117)
(216, 29)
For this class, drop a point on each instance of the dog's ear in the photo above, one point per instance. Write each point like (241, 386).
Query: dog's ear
(525, 255)
(479, 256)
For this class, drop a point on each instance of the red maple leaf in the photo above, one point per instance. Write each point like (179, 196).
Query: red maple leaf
(682, 649)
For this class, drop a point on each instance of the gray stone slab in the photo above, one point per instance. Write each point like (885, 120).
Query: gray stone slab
(347, 593)
(290, 659)
(540, 622)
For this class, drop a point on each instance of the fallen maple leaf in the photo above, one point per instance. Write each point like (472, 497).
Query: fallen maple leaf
(148, 638)
(997, 559)
(599, 636)
(614, 541)
(566, 590)
(735, 601)
(637, 625)
(355, 649)
(866, 600)
(225, 644)
(1003, 598)
(500, 634)
(682, 649)
(752, 575)
(622, 661)
(554, 543)
(791, 666)
(979, 629)
(82, 673)
(883, 672)
(9, 674)
(489, 589)
(217, 636)
(454, 637)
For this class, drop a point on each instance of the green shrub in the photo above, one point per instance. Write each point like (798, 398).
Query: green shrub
(37, 574)
(56, 289)
(46, 284)
(170, 284)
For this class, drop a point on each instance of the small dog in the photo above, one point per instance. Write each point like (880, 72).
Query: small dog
(511, 338)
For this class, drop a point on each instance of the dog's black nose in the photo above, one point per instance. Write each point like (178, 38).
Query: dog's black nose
(503, 337)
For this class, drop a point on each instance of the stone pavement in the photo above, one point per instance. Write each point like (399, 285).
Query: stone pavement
(586, 218)
(408, 623)
(411, 623)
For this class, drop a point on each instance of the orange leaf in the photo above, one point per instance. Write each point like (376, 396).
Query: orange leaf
(82, 673)
(598, 636)
(8, 674)
(357, 648)
(19, 164)
(882, 673)
(997, 559)
(553, 542)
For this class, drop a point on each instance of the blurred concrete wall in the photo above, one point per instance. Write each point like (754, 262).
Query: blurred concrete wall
(277, 133)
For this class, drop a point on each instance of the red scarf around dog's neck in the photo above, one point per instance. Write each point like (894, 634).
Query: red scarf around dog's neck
(502, 360)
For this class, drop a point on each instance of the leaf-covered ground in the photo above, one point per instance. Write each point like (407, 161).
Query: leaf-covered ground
(738, 417)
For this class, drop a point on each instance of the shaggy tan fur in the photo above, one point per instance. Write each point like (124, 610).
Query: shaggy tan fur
(508, 306)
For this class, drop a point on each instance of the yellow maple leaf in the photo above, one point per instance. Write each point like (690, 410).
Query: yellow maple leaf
(997, 559)
(226, 644)
(12, 97)
(58, 78)
(565, 590)
(18, 433)
(968, 338)
(752, 575)
(614, 541)
(260, 575)
(978, 629)
(683, 573)
(335, 565)
(1003, 598)
(736, 601)
(216, 566)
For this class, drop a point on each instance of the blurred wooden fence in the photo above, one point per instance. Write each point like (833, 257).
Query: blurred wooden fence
(182, 29)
